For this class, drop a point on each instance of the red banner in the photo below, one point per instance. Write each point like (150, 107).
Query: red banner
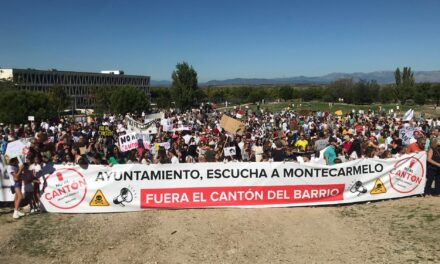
(239, 195)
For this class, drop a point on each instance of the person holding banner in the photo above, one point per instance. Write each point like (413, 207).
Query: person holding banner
(36, 167)
(28, 180)
(433, 172)
(417, 146)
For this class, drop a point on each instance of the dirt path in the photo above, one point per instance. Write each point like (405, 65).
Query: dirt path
(405, 230)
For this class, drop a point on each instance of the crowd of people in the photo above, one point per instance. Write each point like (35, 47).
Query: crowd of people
(197, 136)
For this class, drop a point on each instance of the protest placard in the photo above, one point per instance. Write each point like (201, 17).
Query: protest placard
(128, 142)
(105, 131)
(229, 151)
(406, 134)
(232, 125)
(18, 148)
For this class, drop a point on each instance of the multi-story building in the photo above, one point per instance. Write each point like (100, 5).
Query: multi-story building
(78, 86)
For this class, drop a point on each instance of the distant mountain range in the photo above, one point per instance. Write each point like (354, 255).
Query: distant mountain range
(382, 77)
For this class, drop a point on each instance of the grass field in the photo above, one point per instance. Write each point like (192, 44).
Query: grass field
(428, 110)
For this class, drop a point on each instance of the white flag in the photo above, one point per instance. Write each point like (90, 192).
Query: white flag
(408, 115)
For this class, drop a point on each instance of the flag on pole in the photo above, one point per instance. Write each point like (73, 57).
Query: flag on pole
(408, 115)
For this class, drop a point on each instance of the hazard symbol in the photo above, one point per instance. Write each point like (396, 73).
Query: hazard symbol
(378, 187)
(99, 199)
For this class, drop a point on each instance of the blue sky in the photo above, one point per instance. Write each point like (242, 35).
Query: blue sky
(221, 39)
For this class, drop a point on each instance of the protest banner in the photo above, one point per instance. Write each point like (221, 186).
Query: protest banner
(237, 184)
(128, 142)
(138, 127)
(18, 148)
(232, 125)
(152, 117)
(406, 133)
(105, 131)
(5, 182)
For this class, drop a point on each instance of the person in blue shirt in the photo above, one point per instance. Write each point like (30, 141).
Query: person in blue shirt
(330, 153)
(3, 144)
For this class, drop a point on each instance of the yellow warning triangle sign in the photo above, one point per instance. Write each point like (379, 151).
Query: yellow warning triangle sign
(378, 187)
(99, 199)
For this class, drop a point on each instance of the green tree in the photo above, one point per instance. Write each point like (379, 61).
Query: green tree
(58, 98)
(398, 83)
(366, 92)
(421, 93)
(184, 87)
(6, 85)
(257, 95)
(435, 93)
(129, 99)
(311, 93)
(387, 94)
(101, 96)
(161, 96)
(240, 94)
(217, 95)
(285, 93)
(405, 81)
(16, 106)
(342, 88)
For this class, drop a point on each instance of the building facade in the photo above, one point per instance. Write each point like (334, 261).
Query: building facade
(79, 86)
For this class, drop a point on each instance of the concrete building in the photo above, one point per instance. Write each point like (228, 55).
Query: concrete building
(78, 85)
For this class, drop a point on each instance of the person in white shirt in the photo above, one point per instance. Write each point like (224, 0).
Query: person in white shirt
(173, 156)
(187, 138)
(14, 173)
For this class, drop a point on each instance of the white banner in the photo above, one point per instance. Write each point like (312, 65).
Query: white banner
(128, 142)
(18, 148)
(151, 117)
(138, 127)
(123, 188)
(5, 182)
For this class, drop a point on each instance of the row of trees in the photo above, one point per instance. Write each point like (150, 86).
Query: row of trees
(361, 92)
(120, 100)
(186, 93)
(17, 105)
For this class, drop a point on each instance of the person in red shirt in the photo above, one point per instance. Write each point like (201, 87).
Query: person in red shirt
(417, 146)
(347, 144)
(215, 131)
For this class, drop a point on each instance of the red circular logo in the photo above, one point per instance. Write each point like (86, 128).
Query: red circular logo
(66, 188)
(407, 175)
